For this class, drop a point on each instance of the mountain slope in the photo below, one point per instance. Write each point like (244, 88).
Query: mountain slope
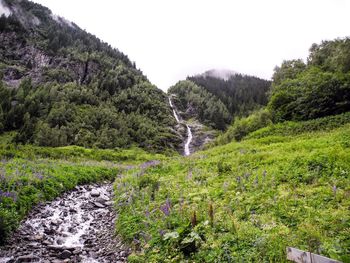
(241, 94)
(216, 97)
(63, 86)
(245, 201)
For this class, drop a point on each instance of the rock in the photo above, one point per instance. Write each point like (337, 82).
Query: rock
(37, 237)
(123, 254)
(56, 248)
(99, 205)
(102, 199)
(47, 242)
(65, 254)
(27, 258)
(109, 203)
(59, 241)
(72, 210)
(95, 193)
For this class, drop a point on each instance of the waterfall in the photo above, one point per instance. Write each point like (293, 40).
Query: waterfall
(189, 132)
(174, 112)
(189, 139)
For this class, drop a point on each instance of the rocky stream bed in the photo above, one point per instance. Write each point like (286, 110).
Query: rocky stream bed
(76, 227)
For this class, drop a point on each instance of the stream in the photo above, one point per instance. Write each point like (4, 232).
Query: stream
(187, 150)
(76, 227)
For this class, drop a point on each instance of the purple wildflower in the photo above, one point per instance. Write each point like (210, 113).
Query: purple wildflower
(147, 213)
(2, 176)
(165, 208)
(334, 188)
(246, 176)
(256, 181)
(149, 164)
(12, 195)
(162, 232)
(39, 175)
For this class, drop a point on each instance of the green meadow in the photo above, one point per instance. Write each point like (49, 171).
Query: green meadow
(244, 201)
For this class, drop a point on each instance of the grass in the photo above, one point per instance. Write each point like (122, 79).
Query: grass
(243, 202)
(283, 185)
(30, 174)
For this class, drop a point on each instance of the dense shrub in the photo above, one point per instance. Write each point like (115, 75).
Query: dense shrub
(319, 88)
(242, 127)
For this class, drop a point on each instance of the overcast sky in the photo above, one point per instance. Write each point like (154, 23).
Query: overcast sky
(170, 39)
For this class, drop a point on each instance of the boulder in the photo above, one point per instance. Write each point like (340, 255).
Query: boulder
(95, 193)
(65, 254)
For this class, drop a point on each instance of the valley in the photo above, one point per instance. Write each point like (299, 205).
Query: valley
(97, 164)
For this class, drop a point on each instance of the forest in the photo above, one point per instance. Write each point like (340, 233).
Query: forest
(217, 102)
(63, 86)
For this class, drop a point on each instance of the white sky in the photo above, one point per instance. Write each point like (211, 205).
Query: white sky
(171, 39)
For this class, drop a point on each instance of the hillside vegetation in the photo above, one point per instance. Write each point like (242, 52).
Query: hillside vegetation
(29, 174)
(216, 101)
(300, 91)
(279, 178)
(60, 85)
(244, 201)
(240, 93)
(319, 88)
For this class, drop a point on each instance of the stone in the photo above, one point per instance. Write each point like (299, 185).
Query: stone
(123, 254)
(27, 258)
(37, 237)
(65, 254)
(102, 199)
(72, 210)
(99, 205)
(95, 193)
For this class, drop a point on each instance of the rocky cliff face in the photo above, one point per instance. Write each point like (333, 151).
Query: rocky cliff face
(30, 61)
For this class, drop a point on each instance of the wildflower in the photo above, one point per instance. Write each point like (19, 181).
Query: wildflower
(256, 181)
(39, 175)
(165, 208)
(147, 213)
(334, 188)
(11, 195)
(162, 232)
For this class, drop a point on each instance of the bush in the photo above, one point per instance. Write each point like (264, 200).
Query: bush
(242, 127)
(293, 128)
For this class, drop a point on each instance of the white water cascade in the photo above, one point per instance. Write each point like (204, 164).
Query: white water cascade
(189, 132)
(174, 112)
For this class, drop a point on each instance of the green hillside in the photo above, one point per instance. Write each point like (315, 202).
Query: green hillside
(245, 201)
(216, 100)
(60, 85)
